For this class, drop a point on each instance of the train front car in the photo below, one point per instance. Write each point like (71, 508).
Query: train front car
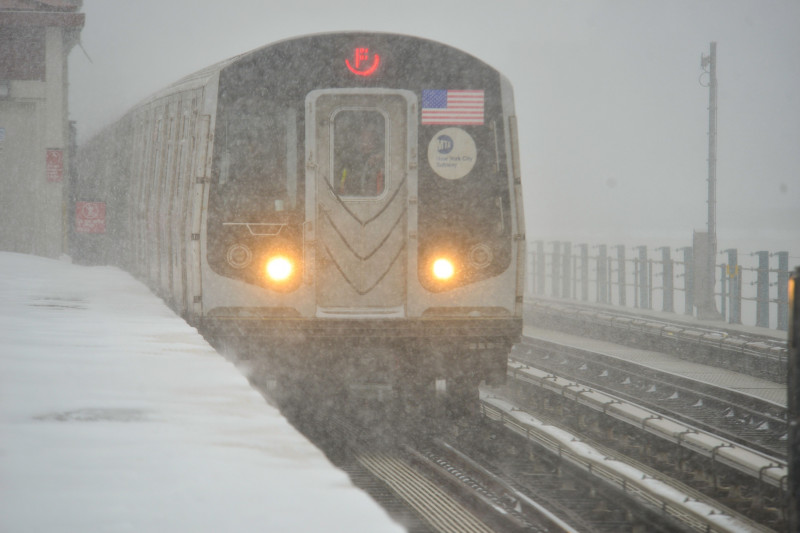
(364, 212)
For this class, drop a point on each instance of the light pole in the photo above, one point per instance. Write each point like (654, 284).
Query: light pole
(707, 305)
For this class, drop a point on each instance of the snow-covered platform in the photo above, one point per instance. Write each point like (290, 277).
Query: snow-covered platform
(115, 415)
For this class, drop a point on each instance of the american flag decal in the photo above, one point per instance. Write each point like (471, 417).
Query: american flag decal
(444, 106)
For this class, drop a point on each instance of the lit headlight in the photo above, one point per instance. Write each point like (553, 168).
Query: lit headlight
(279, 268)
(443, 269)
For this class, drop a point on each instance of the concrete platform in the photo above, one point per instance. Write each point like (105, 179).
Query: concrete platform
(115, 415)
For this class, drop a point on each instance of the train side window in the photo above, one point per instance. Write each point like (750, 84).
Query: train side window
(359, 153)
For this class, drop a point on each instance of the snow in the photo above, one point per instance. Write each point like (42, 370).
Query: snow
(634, 476)
(115, 415)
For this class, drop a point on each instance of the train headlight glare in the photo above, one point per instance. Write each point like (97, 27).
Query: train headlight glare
(443, 269)
(279, 268)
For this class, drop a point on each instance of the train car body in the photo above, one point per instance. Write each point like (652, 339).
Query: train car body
(348, 201)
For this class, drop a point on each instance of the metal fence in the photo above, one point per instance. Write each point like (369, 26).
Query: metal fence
(646, 278)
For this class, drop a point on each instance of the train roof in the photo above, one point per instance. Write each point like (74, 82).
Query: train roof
(201, 77)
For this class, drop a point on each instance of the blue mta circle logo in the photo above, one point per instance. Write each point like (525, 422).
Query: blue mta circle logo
(444, 144)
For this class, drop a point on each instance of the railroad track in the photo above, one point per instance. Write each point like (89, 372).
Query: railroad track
(672, 506)
(434, 474)
(482, 474)
(732, 446)
(742, 418)
(452, 480)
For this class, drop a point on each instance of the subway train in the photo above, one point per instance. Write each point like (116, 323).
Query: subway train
(347, 203)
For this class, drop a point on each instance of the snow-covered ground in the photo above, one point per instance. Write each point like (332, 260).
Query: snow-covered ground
(115, 415)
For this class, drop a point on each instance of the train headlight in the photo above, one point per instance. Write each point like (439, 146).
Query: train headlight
(443, 269)
(279, 268)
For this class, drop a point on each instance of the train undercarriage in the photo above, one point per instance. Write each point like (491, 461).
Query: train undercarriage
(416, 364)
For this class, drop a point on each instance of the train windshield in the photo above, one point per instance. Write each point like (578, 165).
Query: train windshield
(257, 169)
(359, 153)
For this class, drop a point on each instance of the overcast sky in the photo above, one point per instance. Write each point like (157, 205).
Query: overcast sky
(613, 117)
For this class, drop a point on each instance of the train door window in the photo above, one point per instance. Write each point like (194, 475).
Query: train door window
(359, 153)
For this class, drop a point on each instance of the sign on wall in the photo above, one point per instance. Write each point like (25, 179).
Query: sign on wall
(55, 165)
(90, 217)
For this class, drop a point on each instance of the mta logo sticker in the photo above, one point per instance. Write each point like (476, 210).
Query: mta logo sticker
(452, 153)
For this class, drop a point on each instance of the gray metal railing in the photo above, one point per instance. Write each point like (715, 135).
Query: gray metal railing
(607, 275)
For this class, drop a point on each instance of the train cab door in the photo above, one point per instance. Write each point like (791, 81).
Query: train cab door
(360, 177)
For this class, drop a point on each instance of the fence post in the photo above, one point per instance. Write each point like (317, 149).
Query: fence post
(556, 267)
(734, 275)
(621, 274)
(783, 290)
(602, 275)
(540, 267)
(636, 282)
(688, 279)
(584, 271)
(650, 283)
(530, 272)
(566, 270)
(762, 290)
(666, 269)
(643, 274)
(574, 287)
(723, 299)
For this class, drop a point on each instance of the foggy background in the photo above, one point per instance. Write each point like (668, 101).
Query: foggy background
(613, 118)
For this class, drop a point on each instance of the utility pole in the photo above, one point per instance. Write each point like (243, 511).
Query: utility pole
(707, 305)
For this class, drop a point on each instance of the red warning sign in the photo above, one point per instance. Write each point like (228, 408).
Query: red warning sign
(90, 217)
(55, 165)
